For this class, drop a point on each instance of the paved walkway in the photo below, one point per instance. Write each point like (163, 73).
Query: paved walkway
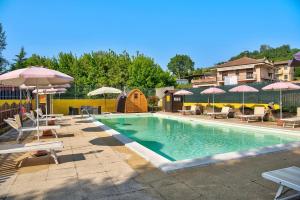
(96, 166)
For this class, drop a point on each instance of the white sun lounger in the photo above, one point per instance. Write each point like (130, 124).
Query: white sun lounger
(34, 120)
(29, 147)
(259, 113)
(286, 178)
(16, 124)
(40, 112)
(224, 113)
(191, 111)
(293, 121)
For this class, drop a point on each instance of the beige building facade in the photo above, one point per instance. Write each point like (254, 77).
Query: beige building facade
(283, 71)
(245, 70)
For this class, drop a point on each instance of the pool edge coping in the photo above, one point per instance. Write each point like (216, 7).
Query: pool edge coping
(167, 166)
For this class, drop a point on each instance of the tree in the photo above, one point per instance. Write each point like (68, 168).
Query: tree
(144, 73)
(3, 61)
(20, 60)
(181, 65)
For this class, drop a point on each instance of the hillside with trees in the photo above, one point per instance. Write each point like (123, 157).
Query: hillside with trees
(282, 53)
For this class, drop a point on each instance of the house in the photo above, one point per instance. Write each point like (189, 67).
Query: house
(245, 70)
(204, 80)
(283, 71)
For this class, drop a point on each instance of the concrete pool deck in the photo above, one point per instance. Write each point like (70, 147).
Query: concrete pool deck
(95, 165)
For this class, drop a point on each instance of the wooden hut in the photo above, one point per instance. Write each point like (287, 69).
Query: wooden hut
(171, 102)
(136, 102)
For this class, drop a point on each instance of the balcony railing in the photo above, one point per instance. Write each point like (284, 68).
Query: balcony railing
(205, 80)
(241, 77)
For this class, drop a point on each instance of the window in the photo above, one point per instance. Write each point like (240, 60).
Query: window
(178, 99)
(249, 75)
(224, 74)
(237, 72)
(285, 77)
(270, 75)
(136, 95)
(285, 67)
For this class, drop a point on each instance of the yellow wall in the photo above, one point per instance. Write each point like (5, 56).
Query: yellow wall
(62, 105)
(235, 105)
(10, 101)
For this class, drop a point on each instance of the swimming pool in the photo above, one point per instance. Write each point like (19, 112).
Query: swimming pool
(177, 139)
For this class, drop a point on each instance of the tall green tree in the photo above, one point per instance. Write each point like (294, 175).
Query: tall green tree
(181, 65)
(20, 60)
(144, 73)
(3, 61)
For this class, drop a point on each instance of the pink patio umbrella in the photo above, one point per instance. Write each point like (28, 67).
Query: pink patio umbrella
(213, 91)
(35, 76)
(243, 89)
(281, 86)
(183, 93)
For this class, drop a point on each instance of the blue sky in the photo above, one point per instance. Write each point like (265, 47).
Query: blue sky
(208, 31)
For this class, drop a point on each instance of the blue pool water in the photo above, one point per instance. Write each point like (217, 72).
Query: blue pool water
(178, 140)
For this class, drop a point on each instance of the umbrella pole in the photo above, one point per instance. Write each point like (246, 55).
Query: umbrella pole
(280, 101)
(51, 105)
(46, 110)
(105, 103)
(20, 105)
(243, 103)
(37, 112)
(213, 103)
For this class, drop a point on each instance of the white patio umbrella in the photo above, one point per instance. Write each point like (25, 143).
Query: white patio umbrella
(281, 86)
(35, 76)
(183, 93)
(103, 91)
(243, 89)
(213, 91)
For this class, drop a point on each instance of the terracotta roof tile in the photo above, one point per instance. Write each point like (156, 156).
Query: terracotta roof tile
(242, 61)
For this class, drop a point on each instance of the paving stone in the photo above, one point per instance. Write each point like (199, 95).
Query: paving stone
(61, 173)
(178, 191)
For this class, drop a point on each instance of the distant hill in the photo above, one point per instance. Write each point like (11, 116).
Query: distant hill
(284, 52)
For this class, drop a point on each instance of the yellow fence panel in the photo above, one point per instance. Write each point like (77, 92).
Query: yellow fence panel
(62, 105)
